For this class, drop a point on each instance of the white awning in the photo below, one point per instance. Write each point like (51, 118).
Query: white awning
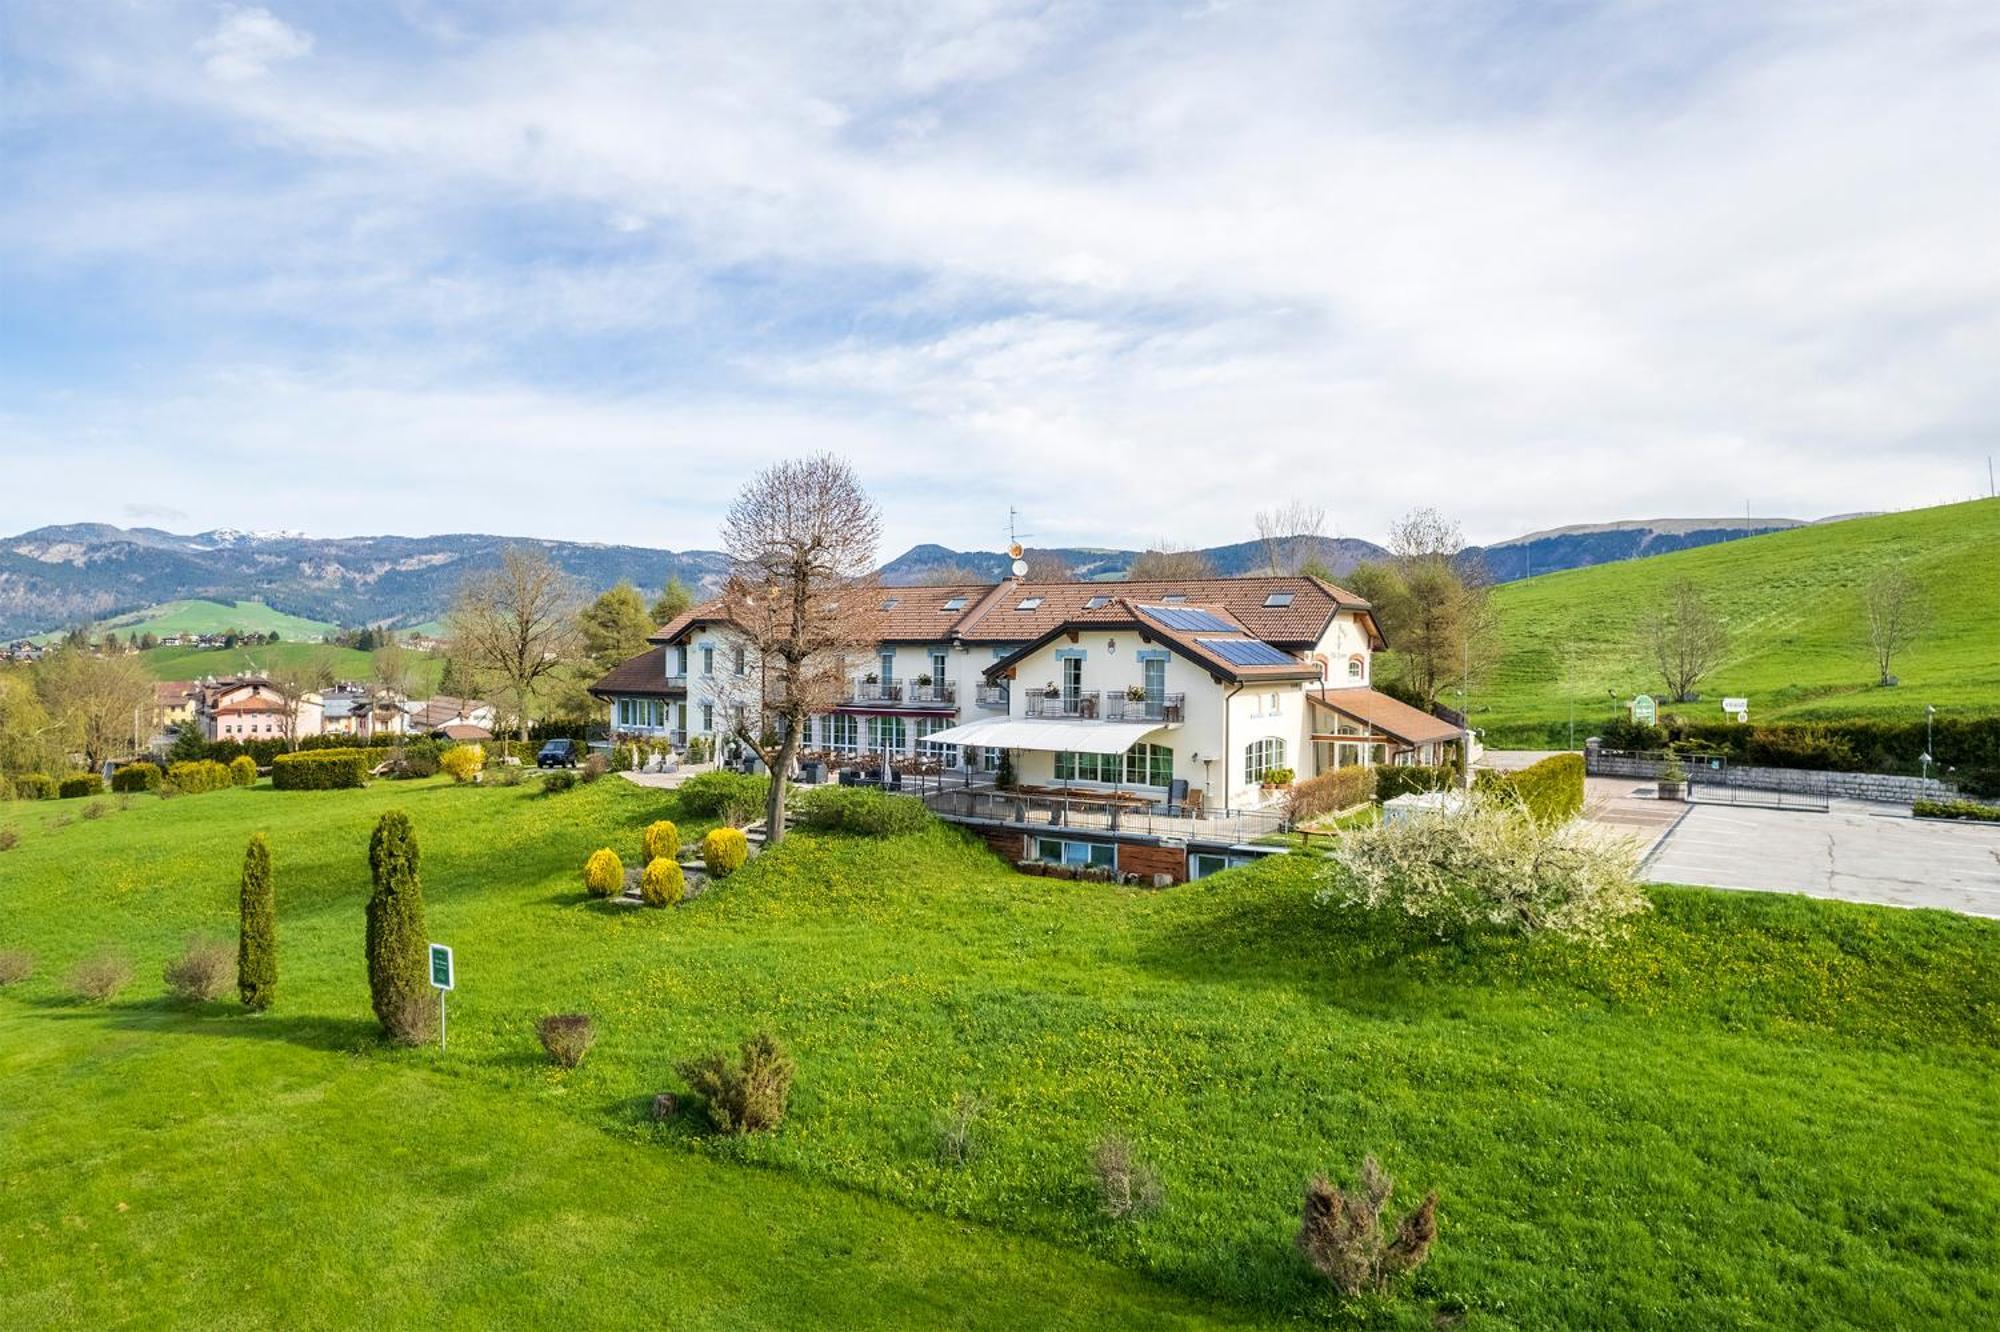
(1076, 737)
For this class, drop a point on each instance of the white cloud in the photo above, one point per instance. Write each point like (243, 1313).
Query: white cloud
(247, 42)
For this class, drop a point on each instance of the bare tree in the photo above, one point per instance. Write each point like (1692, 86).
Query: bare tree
(515, 626)
(949, 575)
(98, 704)
(1046, 566)
(1167, 563)
(1432, 606)
(1684, 637)
(395, 676)
(294, 684)
(1289, 534)
(801, 539)
(1898, 613)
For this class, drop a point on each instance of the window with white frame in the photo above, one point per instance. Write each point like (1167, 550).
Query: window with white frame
(1061, 851)
(1260, 756)
(1356, 668)
(842, 731)
(707, 659)
(946, 754)
(1141, 765)
(640, 712)
(887, 735)
(708, 717)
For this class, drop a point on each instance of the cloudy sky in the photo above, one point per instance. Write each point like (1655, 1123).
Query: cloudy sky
(1137, 269)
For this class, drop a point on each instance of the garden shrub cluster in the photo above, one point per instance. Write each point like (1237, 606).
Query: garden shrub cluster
(9, 839)
(566, 1037)
(558, 781)
(462, 762)
(733, 797)
(723, 851)
(860, 810)
(749, 1094)
(320, 770)
(243, 771)
(80, 784)
(1552, 790)
(34, 786)
(137, 779)
(98, 979)
(1341, 1232)
(1956, 809)
(1343, 788)
(1966, 748)
(199, 776)
(1126, 1186)
(604, 873)
(663, 883)
(202, 973)
(15, 966)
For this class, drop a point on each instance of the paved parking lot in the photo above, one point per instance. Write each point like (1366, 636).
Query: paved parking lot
(1857, 852)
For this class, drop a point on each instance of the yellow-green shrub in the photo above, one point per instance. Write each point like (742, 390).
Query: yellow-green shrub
(243, 771)
(462, 762)
(604, 873)
(196, 776)
(724, 850)
(662, 841)
(663, 883)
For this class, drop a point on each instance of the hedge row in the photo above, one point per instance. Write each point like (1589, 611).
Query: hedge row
(134, 778)
(198, 776)
(859, 810)
(1413, 779)
(1956, 809)
(1552, 789)
(320, 770)
(730, 796)
(34, 786)
(1966, 748)
(1343, 788)
(79, 784)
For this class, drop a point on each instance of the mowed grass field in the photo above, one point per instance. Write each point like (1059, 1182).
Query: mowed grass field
(216, 617)
(1752, 1112)
(188, 663)
(1793, 604)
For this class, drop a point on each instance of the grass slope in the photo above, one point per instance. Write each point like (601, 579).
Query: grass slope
(1756, 1111)
(186, 663)
(216, 617)
(1792, 601)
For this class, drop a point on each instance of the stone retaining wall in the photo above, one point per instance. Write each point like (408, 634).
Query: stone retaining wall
(1876, 786)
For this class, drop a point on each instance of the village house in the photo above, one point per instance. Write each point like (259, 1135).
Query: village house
(353, 709)
(453, 718)
(1194, 701)
(173, 704)
(250, 708)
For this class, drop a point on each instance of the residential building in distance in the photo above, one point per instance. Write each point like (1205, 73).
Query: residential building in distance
(173, 703)
(356, 710)
(453, 718)
(250, 708)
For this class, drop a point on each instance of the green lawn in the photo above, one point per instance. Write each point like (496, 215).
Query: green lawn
(187, 663)
(1792, 601)
(215, 617)
(1756, 1111)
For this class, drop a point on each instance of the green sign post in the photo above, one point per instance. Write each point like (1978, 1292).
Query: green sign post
(443, 977)
(1645, 711)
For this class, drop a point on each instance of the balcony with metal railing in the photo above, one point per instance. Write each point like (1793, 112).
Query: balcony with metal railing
(1093, 705)
(993, 696)
(900, 695)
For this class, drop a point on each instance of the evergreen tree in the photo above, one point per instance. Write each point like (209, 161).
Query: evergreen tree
(257, 944)
(396, 936)
(615, 627)
(678, 597)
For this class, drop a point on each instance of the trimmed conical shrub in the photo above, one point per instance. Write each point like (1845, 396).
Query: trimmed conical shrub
(257, 943)
(396, 937)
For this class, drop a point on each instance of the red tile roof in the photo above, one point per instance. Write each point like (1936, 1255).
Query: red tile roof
(643, 676)
(1390, 716)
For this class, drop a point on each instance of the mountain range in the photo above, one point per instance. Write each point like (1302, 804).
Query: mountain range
(53, 577)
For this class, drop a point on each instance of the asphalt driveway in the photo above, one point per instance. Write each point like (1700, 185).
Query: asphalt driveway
(1856, 852)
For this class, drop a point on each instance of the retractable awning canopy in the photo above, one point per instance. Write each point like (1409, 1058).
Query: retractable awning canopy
(1076, 737)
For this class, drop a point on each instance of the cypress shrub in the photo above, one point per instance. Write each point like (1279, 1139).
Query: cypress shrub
(134, 778)
(34, 786)
(664, 883)
(243, 771)
(80, 784)
(604, 873)
(724, 850)
(662, 841)
(320, 770)
(396, 936)
(197, 776)
(257, 942)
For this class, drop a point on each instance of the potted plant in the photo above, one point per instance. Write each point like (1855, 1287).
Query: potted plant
(1277, 777)
(1673, 779)
(871, 678)
(924, 681)
(1049, 690)
(1135, 693)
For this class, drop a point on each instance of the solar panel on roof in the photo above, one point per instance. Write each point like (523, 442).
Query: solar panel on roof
(1277, 599)
(1247, 652)
(1187, 617)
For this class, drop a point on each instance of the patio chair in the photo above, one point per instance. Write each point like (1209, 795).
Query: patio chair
(1177, 794)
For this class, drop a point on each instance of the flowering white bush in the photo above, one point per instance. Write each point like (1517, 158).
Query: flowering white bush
(1489, 864)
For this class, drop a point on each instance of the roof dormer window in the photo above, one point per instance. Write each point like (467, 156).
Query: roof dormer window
(1097, 603)
(1029, 603)
(1278, 600)
(954, 604)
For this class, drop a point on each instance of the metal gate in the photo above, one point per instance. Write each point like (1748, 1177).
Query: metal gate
(1711, 782)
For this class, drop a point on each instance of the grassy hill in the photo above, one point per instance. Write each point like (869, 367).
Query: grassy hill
(215, 617)
(1683, 1129)
(1792, 601)
(187, 663)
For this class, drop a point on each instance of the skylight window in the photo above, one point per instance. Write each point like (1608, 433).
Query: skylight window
(1097, 603)
(1278, 599)
(892, 603)
(955, 603)
(1029, 603)
(1174, 598)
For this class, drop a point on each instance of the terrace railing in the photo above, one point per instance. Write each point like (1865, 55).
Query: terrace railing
(1049, 810)
(900, 694)
(1084, 703)
(992, 696)
(1163, 708)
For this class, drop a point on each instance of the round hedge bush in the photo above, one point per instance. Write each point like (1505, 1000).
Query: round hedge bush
(243, 771)
(462, 762)
(604, 873)
(137, 777)
(662, 841)
(663, 883)
(724, 850)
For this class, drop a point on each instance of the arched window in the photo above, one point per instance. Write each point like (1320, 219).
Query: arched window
(1357, 667)
(1260, 756)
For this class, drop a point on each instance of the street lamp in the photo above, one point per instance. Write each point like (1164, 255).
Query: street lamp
(1930, 717)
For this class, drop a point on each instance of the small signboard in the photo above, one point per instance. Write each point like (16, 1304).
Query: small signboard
(1736, 707)
(442, 976)
(1645, 711)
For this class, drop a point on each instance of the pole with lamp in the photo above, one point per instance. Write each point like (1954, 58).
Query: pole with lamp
(1930, 718)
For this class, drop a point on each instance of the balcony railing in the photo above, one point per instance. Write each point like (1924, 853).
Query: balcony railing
(992, 696)
(901, 694)
(1092, 705)
(677, 680)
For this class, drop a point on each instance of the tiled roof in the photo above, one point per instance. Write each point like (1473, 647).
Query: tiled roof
(1391, 716)
(642, 676)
